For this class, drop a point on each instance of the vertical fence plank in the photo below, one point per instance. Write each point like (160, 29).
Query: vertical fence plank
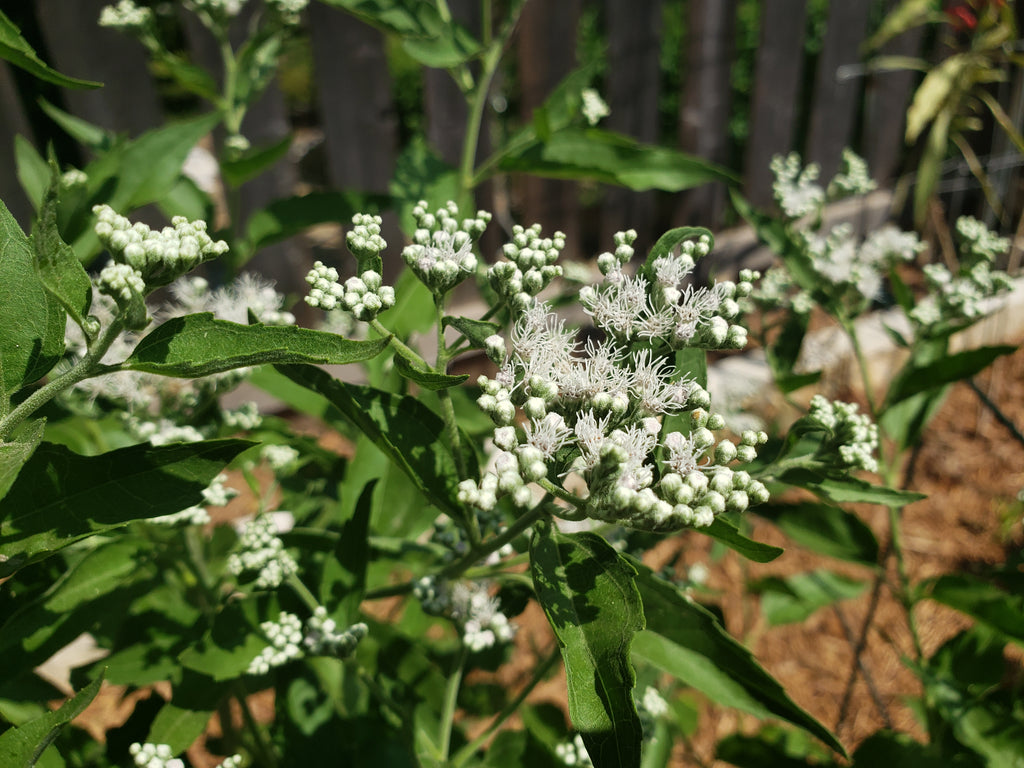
(706, 102)
(546, 54)
(633, 30)
(444, 105)
(14, 123)
(78, 46)
(836, 100)
(779, 67)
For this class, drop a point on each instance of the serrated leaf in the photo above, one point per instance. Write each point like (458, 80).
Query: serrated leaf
(200, 345)
(32, 323)
(427, 379)
(60, 270)
(795, 598)
(61, 497)
(724, 532)
(22, 747)
(475, 331)
(14, 454)
(589, 596)
(685, 640)
(14, 49)
(405, 430)
(825, 529)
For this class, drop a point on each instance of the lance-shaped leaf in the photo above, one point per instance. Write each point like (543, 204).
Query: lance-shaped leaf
(60, 270)
(13, 455)
(404, 429)
(60, 497)
(32, 323)
(475, 331)
(915, 379)
(685, 640)
(23, 746)
(200, 345)
(825, 529)
(724, 532)
(985, 601)
(590, 597)
(344, 576)
(14, 49)
(427, 379)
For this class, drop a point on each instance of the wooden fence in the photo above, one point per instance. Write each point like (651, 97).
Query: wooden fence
(796, 100)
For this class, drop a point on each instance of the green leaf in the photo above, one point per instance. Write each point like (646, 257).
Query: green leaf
(251, 164)
(61, 497)
(405, 430)
(589, 596)
(33, 170)
(904, 422)
(291, 215)
(427, 379)
(793, 599)
(92, 136)
(225, 652)
(825, 529)
(422, 175)
(686, 641)
(32, 324)
(177, 727)
(199, 345)
(344, 577)
(723, 531)
(14, 454)
(475, 331)
(425, 35)
(60, 270)
(984, 601)
(613, 158)
(915, 379)
(773, 747)
(885, 748)
(906, 15)
(850, 490)
(932, 95)
(14, 49)
(22, 747)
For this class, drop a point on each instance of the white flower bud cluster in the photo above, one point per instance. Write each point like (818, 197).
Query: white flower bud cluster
(364, 239)
(853, 177)
(154, 756)
(246, 416)
(960, 298)
(795, 189)
(162, 431)
(121, 283)
(286, 639)
(279, 456)
(126, 16)
(594, 108)
(441, 253)
(73, 178)
(364, 297)
(471, 606)
(236, 144)
(220, 9)
(289, 10)
(216, 495)
(161, 756)
(851, 435)
(263, 552)
(652, 703)
(574, 753)
(159, 257)
(530, 265)
(323, 638)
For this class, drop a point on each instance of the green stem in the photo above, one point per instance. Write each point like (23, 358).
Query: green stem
(561, 493)
(85, 368)
(904, 581)
(476, 105)
(451, 697)
(401, 348)
(451, 425)
(264, 751)
(862, 364)
(539, 673)
(303, 592)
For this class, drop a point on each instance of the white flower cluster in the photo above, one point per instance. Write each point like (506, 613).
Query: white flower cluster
(851, 435)
(652, 704)
(594, 108)
(233, 302)
(364, 239)
(289, 10)
(162, 431)
(263, 552)
(775, 291)
(364, 296)
(126, 16)
(323, 638)
(529, 268)
(157, 256)
(471, 605)
(796, 189)
(279, 456)
(216, 495)
(225, 9)
(853, 177)
(574, 753)
(122, 283)
(441, 253)
(960, 298)
(161, 756)
(286, 638)
(661, 308)
(246, 416)
(73, 177)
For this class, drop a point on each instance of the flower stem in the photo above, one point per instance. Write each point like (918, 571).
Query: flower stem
(451, 697)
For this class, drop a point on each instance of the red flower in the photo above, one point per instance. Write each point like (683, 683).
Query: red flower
(962, 18)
